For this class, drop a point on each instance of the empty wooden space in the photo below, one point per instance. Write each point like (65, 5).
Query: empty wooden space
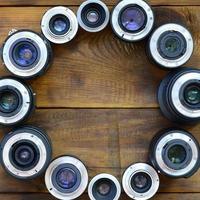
(98, 101)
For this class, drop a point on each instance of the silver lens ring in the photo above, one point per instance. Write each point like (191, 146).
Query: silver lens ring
(6, 155)
(175, 95)
(42, 61)
(137, 168)
(104, 176)
(26, 101)
(132, 36)
(69, 35)
(153, 45)
(66, 160)
(176, 135)
(90, 29)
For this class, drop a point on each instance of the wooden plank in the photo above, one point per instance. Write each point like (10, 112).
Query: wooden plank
(78, 2)
(99, 70)
(85, 197)
(106, 140)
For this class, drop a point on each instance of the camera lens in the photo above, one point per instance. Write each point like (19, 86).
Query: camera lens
(175, 153)
(179, 95)
(59, 25)
(93, 15)
(104, 186)
(26, 54)
(132, 20)
(171, 45)
(66, 178)
(16, 101)
(25, 152)
(140, 181)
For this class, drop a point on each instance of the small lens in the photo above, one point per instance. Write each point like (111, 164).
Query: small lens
(104, 187)
(133, 18)
(59, 25)
(177, 154)
(192, 94)
(92, 16)
(171, 45)
(25, 54)
(8, 101)
(66, 178)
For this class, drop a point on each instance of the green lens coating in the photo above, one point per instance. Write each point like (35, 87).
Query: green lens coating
(192, 95)
(172, 45)
(177, 154)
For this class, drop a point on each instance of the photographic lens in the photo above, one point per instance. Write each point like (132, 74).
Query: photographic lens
(140, 181)
(175, 153)
(26, 54)
(192, 94)
(16, 101)
(93, 15)
(171, 45)
(133, 18)
(66, 178)
(59, 25)
(25, 152)
(104, 186)
(8, 101)
(179, 95)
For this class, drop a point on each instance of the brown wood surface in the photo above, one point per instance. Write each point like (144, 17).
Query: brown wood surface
(98, 99)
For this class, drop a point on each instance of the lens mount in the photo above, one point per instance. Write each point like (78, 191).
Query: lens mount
(73, 168)
(99, 13)
(159, 153)
(26, 54)
(179, 54)
(143, 31)
(109, 183)
(59, 25)
(24, 101)
(137, 169)
(25, 152)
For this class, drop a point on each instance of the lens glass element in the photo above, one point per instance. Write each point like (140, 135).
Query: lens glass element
(177, 154)
(103, 187)
(92, 16)
(192, 94)
(8, 101)
(25, 54)
(133, 19)
(66, 178)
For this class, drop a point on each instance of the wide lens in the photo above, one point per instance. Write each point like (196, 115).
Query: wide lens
(25, 54)
(192, 94)
(8, 101)
(177, 154)
(133, 19)
(66, 178)
(103, 187)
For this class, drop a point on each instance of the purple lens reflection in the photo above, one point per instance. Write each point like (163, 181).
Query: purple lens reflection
(133, 18)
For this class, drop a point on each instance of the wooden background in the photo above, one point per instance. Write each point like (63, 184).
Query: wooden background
(98, 99)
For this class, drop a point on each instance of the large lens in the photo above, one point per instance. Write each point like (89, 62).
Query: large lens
(141, 182)
(66, 178)
(8, 101)
(103, 187)
(25, 54)
(59, 24)
(133, 19)
(177, 154)
(192, 94)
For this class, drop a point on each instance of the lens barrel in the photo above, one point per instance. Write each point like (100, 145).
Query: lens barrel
(171, 45)
(175, 153)
(59, 25)
(66, 178)
(25, 152)
(140, 181)
(104, 186)
(179, 95)
(132, 20)
(26, 54)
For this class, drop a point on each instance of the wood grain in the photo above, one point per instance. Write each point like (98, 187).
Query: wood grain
(106, 140)
(99, 70)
